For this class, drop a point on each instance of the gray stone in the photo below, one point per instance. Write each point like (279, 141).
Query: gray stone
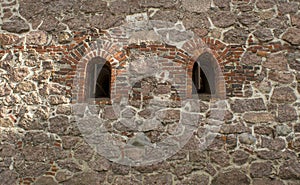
(281, 77)
(26, 86)
(196, 21)
(69, 142)
(51, 24)
(294, 62)
(240, 157)
(83, 152)
(264, 130)
(263, 35)
(45, 181)
(127, 181)
(223, 19)
(99, 164)
(248, 19)
(64, 38)
(260, 169)
(15, 25)
(290, 170)
(70, 164)
(19, 74)
(93, 7)
(268, 155)
(195, 179)
(265, 4)
(223, 4)
(234, 176)
(105, 21)
(276, 61)
(259, 117)
(250, 58)
(245, 105)
(8, 39)
(273, 144)
(182, 170)
(109, 113)
(159, 3)
(63, 175)
(295, 19)
(31, 169)
(166, 15)
(59, 125)
(37, 38)
(5, 122)
(292, 35)
(283, 95)
(119, 169)
(236, 36)
(246, 138)
(196, 5)
(8, 177)
(86, 178)
(162, 178)
(286, 113)
(64, 109)
(288, 7)
(220, 157)
(267, 181)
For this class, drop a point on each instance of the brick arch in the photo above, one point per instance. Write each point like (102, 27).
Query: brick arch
(101, 49)
(199, 52)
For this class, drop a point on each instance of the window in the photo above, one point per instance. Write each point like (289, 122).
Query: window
(200, 82)
(99, 79)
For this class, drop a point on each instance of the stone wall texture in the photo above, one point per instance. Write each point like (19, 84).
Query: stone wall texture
(252, 49)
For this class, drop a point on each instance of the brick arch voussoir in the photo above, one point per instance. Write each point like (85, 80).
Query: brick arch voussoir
(196, 48)
(110, 52)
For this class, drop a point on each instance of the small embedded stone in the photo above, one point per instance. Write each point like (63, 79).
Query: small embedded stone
(38, 38)
(246, 138)
(283, 130)
(8, 39)
(64, 38)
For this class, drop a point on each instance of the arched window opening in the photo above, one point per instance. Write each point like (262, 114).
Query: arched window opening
(99, 73)
(200, 82)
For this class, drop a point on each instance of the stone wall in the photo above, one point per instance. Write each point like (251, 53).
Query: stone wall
(248, 133)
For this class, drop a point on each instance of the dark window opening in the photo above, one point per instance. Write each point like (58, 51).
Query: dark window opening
(200, 82)
(100, 79)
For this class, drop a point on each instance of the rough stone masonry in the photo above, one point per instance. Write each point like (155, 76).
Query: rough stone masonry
(251, 47)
